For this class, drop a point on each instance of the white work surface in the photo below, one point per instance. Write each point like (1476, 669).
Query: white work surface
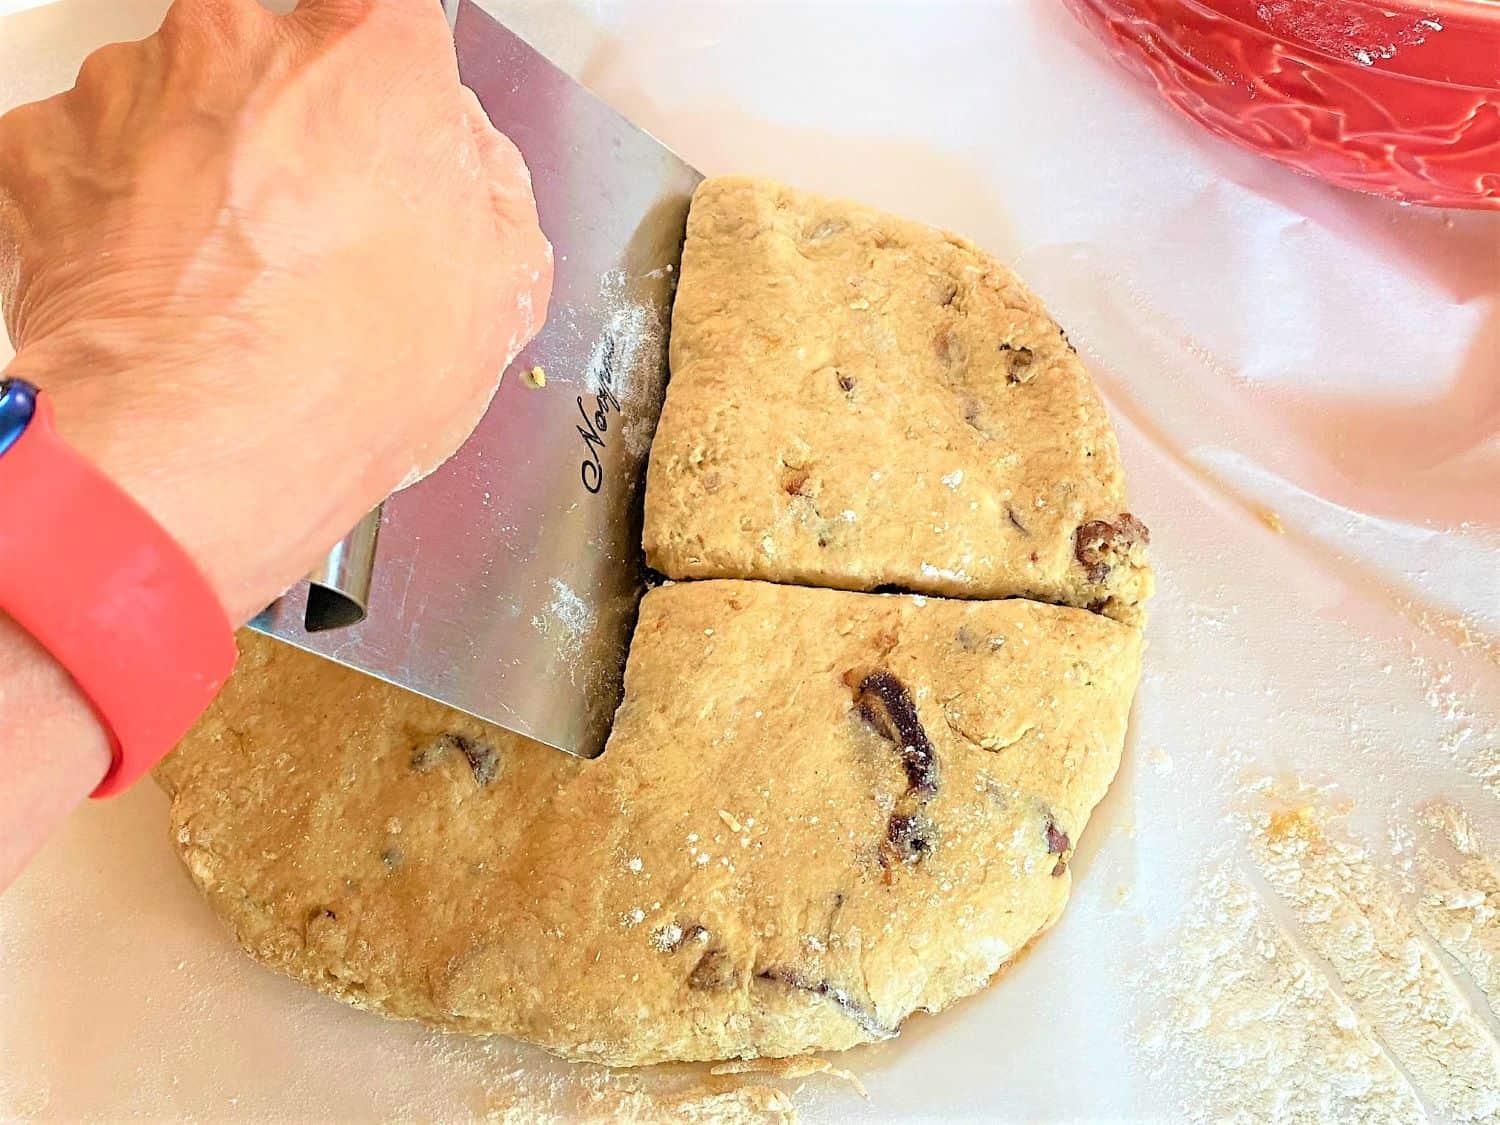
(1264, 342)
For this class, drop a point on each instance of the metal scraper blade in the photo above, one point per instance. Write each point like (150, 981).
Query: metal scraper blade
(506, 584)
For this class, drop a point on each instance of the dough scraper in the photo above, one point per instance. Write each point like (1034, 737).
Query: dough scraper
(506, 584)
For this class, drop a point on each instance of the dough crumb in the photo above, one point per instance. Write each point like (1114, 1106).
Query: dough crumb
(799, 1066)
(536, 377)
(1269, 517)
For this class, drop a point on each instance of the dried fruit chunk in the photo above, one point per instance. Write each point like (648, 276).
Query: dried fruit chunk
(482, 758)
(857, 1011)
(1018, 367)
(714, 972)
(1100, 545)
(886, 705)
(883, 701)
(910, 834)
(1059, 845)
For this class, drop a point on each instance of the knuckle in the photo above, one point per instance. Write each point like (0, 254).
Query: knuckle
(337, 14)
(24, 132)
(107, 64)
(223, 20)
(412, 23)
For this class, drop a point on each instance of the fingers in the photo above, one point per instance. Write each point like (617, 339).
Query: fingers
(477, 119)
(11, 225)
(398, 35)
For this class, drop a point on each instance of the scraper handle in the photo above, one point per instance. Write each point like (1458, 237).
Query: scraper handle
(338, 592)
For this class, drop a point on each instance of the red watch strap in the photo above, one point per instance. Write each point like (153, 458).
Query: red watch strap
(87, 572)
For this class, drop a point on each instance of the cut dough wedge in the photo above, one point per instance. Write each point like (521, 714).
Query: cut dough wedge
(859, 401)
(819, 812)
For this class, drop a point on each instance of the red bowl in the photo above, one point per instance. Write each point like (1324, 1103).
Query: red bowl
(1401, 99)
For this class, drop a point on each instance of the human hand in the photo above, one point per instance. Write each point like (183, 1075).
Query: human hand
(269, 268)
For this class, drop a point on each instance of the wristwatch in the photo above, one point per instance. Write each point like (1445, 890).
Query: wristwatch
(102, 587)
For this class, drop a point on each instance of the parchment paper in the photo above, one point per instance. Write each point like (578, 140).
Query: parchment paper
(1267, 344)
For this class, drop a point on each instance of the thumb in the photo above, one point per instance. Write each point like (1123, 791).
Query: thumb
(503, 166)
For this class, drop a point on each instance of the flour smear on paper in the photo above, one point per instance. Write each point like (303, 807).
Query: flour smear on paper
(1317, 982)
(507, 1088)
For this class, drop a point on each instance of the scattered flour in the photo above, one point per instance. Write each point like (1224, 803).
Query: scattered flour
(1456, 686)
(664, 939)
(1325, 996)
(1257, 1031)
(801, 1066)
(1458, 899)
(507, 1088)
(1352, 918)
(930, 571)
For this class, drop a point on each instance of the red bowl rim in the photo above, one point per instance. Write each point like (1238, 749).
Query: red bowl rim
(1465, 52)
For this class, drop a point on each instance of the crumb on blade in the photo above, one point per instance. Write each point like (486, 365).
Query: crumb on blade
(536, 377)
(1271, 519)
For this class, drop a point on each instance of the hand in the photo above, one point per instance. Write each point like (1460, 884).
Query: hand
(269, 268)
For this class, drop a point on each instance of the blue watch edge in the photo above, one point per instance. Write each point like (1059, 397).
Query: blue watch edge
(17, 405)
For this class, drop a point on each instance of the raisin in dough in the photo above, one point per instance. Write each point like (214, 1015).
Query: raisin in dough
(818, 812)
(861, 401)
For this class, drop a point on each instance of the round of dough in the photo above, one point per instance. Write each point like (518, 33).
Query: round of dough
(818, 812)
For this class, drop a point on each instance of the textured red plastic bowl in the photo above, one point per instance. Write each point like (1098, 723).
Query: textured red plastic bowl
(1400, 99)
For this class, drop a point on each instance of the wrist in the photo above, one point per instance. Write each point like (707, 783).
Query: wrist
(53, 748)
(120, 417)
(106, 591)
